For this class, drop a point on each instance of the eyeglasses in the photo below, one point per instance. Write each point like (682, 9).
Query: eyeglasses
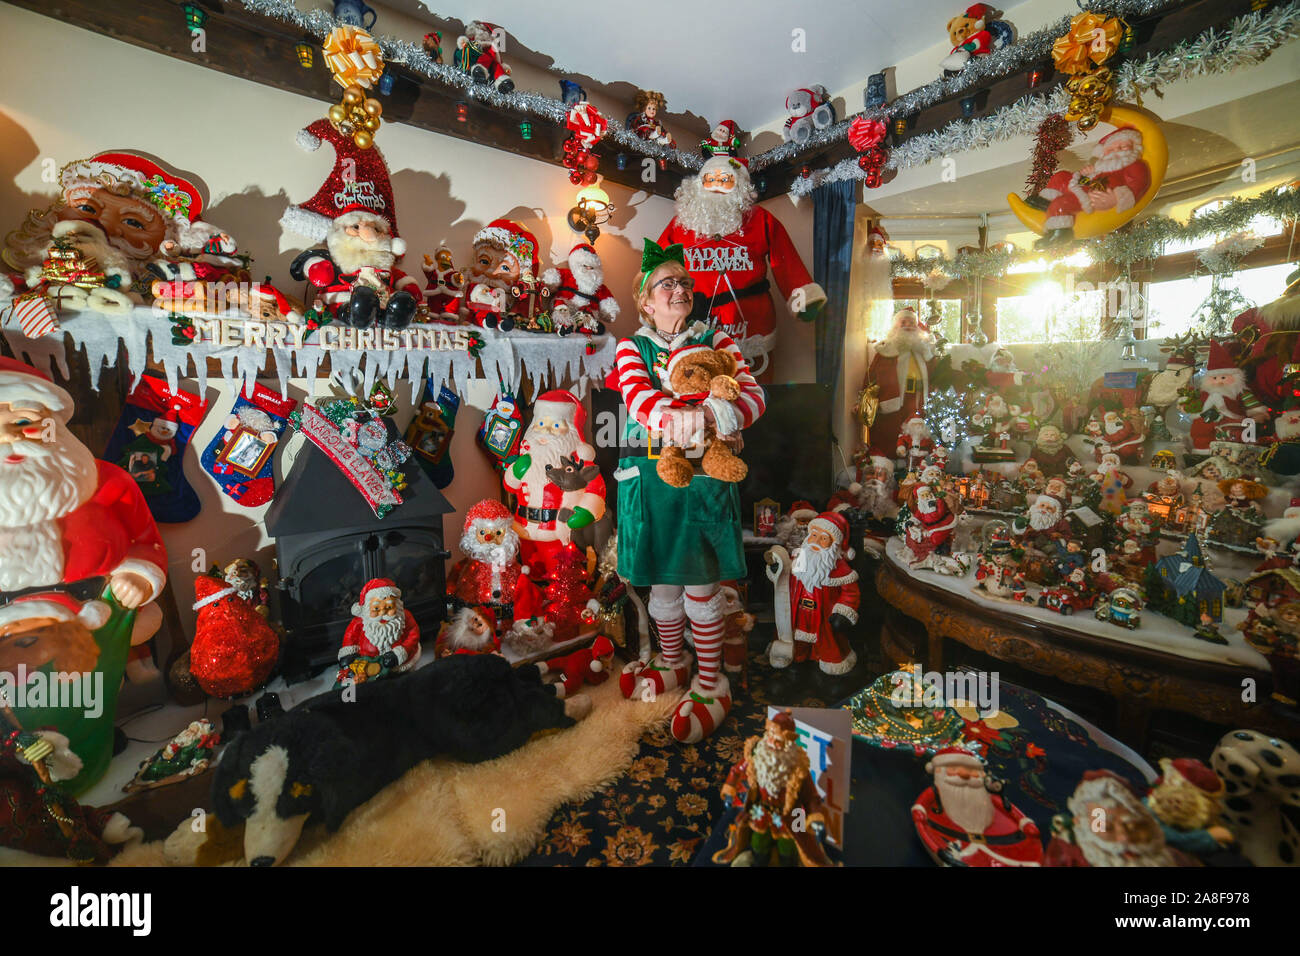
(672, 284)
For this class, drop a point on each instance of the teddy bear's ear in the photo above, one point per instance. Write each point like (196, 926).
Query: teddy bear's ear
(727, 361)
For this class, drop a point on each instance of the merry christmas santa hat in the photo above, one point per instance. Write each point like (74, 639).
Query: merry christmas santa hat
(358, 181)
(375, 588)
(837, 526)
(174, 196)
(57, 605)
(490, 510)
(513, 238)
(20, 383)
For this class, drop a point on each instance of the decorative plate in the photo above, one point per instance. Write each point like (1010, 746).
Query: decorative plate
(922, 729)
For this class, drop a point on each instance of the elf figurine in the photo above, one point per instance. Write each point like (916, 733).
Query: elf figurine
(680, 542)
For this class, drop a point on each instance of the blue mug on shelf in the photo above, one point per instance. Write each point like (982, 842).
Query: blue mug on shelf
(354, 12)
(571, 93)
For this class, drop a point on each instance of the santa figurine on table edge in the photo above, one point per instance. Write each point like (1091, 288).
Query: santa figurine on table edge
(556, 433)
(382, 631)
(898, 378)
(490, 577)
(962, 823)
(1119, 435)
(817, 598)
(74, 529)
(933, 523)
(730, 243)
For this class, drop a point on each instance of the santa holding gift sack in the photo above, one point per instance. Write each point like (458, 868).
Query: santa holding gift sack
(730, 242)
(381, 631)
(555, 434)
(816, 598)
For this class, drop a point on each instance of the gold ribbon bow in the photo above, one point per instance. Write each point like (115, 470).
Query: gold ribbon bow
(353, 56)
(1091, 40)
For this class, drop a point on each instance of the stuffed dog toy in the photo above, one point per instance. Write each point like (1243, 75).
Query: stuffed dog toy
(326, 757)
(1261, 781)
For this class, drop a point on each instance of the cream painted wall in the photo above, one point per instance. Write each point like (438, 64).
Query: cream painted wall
(237, 138)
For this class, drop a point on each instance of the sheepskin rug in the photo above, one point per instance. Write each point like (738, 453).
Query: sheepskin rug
(444, 813)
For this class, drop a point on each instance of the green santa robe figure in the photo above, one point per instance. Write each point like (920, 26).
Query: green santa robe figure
(679, 542)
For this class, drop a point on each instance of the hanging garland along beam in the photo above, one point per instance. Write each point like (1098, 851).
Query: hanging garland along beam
(243, 43)
(1156, 32)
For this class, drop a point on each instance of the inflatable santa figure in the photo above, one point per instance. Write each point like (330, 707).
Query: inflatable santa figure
(579, 297)
(1116, 178)
(1119, 436)
(1224, 402)
(381, 629)
(899, 368)
(70, 524)
(730, 244)
(489, 577)
(556, 433)
(816, 598)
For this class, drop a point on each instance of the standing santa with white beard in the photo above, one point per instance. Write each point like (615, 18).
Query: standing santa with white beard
(555, 433)
(730, 242)
(579, 296)
(489, 577)
(899, 367)
(381, 629)
(1225, 401)
(816, 598)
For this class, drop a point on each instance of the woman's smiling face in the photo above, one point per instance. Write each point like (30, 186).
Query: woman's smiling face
(670, 298)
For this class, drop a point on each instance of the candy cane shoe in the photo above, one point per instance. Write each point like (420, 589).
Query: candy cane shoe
(701, 712)
(657, 675)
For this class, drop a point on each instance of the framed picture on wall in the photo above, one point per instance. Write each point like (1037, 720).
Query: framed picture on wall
(246, 451)
(766, 511)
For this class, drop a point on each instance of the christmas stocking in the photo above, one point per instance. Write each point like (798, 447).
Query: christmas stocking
(240, 457)
(429, 433)
(149, 441)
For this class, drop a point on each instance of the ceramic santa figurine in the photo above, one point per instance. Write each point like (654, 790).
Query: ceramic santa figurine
(914, 443)
(1131, 834)
(1116, 178)
(1118, 435)
(579, 297)
(936, 519)
(443, 283)
(730, 245)
(505, 259)
(776, 780)
(899, 368)
(70, 522)
(816, 598)
(1051, 451)
(1224, 402)
(962, 821)
(489, 577)
(724, 140)
(1187, 800)
(1047, 522)
(546, 514)
(381, 631)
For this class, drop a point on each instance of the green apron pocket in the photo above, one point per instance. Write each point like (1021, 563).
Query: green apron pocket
(709, 501)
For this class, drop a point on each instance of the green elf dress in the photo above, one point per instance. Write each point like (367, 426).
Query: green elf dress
(670, 535)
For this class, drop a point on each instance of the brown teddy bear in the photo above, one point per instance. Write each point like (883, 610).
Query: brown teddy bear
(699, 375)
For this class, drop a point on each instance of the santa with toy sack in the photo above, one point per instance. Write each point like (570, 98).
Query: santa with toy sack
(381, 628)
(1118, 435)
(730, 244)
(817, 598)
(1116, 178)
(579, 296)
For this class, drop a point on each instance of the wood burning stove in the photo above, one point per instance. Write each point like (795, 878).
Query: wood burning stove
(329, 544)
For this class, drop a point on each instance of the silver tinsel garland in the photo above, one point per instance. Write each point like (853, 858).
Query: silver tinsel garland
(1246, 41)
(319, 23)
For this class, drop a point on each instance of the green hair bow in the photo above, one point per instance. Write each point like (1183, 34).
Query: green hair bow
(653, 256)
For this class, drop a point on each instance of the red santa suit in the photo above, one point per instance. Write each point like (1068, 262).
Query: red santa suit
(443, 288)
(1221, 410)
(495, 587)
(914, 450)
(1125, 441)
(597, 304)
(1011, 839)
(336, 287)
(730, 273)
(938, 526)
(355, 640)
(902, 377)
(1069, 193)
(811, 610)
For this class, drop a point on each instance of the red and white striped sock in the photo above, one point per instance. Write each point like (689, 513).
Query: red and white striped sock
(707, 628)
(670, 638)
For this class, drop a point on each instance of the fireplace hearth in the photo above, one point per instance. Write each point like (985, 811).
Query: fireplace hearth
(329, 544)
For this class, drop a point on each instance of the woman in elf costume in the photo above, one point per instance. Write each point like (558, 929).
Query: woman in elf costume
(680, 542)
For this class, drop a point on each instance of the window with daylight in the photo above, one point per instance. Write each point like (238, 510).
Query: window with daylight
(1172, 305)
(1050, 314)
(882, 314)
(1263, 226)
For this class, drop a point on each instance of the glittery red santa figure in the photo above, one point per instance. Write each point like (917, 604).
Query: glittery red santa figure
(234, 649)
(489, 576)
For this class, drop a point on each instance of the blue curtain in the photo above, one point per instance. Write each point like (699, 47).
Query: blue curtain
(832, 266)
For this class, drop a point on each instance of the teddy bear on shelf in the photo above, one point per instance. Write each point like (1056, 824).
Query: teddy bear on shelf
(810, 110)
(699, 375)
(589, 665)
(974, 33)
(444, 284)
(478, 54)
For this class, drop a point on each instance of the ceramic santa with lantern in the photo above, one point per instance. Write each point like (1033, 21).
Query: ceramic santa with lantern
(817, 598)
(899, 369)
(579, 297)
(1223, 402)
(546, 514)
(381, 630)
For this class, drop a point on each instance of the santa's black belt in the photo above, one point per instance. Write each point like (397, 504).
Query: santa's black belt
(704, 303)
(537, 514)
(1002, 839)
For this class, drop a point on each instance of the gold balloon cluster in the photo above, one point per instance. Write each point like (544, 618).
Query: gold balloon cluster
(1082, 54)
(357, 116)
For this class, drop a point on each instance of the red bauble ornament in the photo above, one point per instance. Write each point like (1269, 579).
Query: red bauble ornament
(589, 178)
(591, 161)
(234, 649)
(872, 179)
(575, 177)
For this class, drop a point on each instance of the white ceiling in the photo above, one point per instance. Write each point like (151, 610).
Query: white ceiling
(729, 62)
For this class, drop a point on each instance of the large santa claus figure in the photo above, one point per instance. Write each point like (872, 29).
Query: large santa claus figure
(1116, 178)
(546, 514)
(1225, 402)
(730, 242)
(381, 630)
(489, 577)
(817, 600)
(579, 297)
(899, 367)
(70, 525)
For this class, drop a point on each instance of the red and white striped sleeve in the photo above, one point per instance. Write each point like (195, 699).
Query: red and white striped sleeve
(644, 402)
(752, 402)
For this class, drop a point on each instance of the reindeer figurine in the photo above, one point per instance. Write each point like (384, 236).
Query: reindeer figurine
(572, 477)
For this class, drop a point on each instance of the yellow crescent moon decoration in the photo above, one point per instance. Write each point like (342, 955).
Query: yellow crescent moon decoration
(1155, 152)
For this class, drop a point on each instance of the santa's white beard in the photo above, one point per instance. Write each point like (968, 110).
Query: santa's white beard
(384, 632)
(54, 480)
(1114, 428)
(497, 555)
(459, 634)
(873, 493)
(773, 765)
(587, 276)
(1117, 161)
(927, 506)
(1044, 518)
(548, 450)
(1216, 396)
(877, 281)
(813, 565)
(713, 214)
(351, 253)
(1098, 852)
(965, 802)
(1050, 446)
(900, 340)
